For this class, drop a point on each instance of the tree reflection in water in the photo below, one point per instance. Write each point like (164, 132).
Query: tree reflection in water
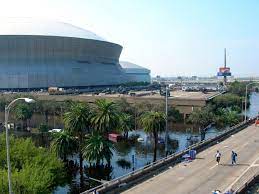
(124, 147)
(124, 163)
(100, 172)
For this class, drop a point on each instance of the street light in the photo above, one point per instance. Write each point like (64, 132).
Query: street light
(246, 97)
(7, 110)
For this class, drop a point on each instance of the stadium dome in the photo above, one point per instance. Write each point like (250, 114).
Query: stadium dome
(26, 26)
(41, 54)
(136, 73)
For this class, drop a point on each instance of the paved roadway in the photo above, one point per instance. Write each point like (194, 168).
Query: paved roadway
(203, 175)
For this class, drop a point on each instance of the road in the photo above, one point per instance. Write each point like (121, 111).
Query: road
(203, 175)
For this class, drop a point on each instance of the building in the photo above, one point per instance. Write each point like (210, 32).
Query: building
(40, 54)
(136, 73)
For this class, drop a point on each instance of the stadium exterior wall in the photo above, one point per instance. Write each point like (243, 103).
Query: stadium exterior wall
(136, 73)
(32, 61)
(139, 77)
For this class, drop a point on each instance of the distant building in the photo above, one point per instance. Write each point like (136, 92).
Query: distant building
(41, 54)
(136, 73)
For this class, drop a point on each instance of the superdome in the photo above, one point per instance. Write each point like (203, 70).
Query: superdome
(135, 72)
(41, 54)
(27, 26)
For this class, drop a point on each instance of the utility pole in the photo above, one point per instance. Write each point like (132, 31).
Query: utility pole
(135, 112)
(166, 114)
(225, 65)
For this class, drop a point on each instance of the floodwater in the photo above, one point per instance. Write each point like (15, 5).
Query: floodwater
(130, 155)
(127, 155)
(254, 107)
(254, 189)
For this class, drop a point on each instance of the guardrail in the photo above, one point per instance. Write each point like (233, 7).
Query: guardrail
(140, 174)
(243, 187)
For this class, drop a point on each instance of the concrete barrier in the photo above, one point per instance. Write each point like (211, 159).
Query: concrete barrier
(128, 180)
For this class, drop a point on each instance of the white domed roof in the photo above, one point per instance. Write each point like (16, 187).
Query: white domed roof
(133, 68)
(26, 26)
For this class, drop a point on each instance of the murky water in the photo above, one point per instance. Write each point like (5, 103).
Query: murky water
(254, 189)
(254, 107)
(130, 155)
(127, 155)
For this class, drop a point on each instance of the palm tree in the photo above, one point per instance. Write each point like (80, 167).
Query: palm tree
(105, 117)
(153, 122)
(64, 144)
(125, 124)
(97, 148)
(23, 112)
(77, 122)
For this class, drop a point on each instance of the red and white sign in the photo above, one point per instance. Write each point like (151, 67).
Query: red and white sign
(224, 69)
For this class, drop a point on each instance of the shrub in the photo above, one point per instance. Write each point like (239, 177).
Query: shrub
(34, 170)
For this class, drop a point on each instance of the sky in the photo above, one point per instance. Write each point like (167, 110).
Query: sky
(170, 37)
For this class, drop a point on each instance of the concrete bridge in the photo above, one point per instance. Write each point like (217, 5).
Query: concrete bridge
(203, 175)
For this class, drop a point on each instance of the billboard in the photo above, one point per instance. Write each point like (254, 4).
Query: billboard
(224, 71)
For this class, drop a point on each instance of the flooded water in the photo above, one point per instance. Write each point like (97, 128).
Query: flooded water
(254, 107)
(254, 189)
(130, 155)
(127, 155)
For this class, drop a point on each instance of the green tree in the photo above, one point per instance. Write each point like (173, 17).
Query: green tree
(227, 100)
(77, 122)
(97, 148)
(64, 144)
(23, 112)
(238, 88)
(174, 115)
(43, 128)
(3, 102)
(105, 117)
(125, 124)
(226, 117)
(34, 170)
(202, 117)
(153, 122)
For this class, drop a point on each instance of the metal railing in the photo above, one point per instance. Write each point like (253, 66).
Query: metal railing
(173, 159)
(246, 184)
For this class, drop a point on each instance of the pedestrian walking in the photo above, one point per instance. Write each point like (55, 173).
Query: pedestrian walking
(218, 155)
(216, 192)
(234, 157)
(231, 191)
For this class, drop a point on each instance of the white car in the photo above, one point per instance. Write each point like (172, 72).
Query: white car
(55, 130)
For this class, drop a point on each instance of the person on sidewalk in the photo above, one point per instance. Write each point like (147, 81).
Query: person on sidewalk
(233, 157)
(218, 155)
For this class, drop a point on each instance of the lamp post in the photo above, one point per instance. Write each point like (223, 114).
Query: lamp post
(242, 109)
(7, 110)
(166, 114)
(246, 97)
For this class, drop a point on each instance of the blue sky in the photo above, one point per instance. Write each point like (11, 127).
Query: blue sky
(183, 37)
